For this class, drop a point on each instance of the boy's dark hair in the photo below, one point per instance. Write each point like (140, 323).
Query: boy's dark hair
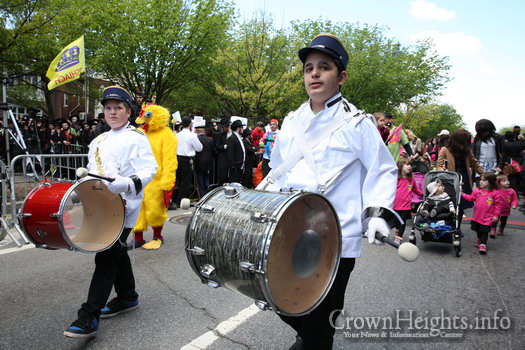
(491, 179)
(186, 121)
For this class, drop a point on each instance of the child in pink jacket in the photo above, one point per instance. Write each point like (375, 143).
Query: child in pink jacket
(508, 199)
(486, 208)
(405, 186)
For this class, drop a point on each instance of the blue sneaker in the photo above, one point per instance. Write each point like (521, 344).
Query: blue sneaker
(117, 306)
(82, 328)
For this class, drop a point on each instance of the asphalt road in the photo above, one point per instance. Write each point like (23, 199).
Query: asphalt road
(41, 291)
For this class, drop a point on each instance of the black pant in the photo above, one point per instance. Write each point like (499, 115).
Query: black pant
(406, 215)
(266, 167)
(184, 176)
(314, 328)
(112, 268)
(247, 178)
(235, 175)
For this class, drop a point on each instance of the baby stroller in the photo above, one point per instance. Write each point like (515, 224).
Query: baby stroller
(443, 230)
(419, 169)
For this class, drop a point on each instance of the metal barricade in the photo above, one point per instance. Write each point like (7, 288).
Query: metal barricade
(29, 171)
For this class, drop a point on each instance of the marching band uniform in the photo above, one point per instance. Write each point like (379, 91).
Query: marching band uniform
(124, 154)
(354, 170)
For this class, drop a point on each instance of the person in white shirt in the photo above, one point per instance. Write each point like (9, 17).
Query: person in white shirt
(236, 154)
(123, 153)
(189, 145)
(348, 164)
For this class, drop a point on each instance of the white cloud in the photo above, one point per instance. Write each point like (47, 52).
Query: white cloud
(450, 44)
(485, 68)
(424, 10)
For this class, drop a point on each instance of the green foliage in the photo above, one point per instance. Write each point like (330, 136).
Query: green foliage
(427, 120)
(157, 46)
(252, 74)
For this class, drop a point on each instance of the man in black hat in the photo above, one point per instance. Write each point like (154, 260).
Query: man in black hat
(204, 159)
(344, 159)
(251, 160)
(220, 138)
(188, 146)
(236, 153)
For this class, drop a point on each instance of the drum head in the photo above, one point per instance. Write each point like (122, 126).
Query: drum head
(92, 216)
(303, 255)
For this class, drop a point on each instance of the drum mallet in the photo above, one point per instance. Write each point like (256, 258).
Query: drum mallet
(407, 251)
(185, 204)
(83, 172)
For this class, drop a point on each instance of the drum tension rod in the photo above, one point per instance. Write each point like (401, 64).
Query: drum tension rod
(249, 267)
(196, 251)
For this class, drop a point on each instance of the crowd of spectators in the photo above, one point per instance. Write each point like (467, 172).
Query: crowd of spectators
(45, 136)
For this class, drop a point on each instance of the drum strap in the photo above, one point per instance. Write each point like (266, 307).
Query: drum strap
(304, 150)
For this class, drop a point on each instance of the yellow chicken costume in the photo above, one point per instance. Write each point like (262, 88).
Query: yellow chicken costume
(153, 120)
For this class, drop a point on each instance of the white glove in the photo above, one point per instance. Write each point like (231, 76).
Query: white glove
(377, 225)
(121, 184)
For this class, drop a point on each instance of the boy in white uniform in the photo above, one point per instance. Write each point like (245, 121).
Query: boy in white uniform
(350, 165)
(123, 153)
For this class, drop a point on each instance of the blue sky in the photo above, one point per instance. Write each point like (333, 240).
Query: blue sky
(483, 39)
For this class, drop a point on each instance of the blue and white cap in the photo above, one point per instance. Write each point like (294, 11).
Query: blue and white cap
(116, 92)
(328, 44)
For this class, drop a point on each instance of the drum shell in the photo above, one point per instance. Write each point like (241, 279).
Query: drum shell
(46, 219)
(230, 236)
(43, 203)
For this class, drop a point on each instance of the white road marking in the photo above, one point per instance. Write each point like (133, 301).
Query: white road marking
(16, 249)
(223, 328)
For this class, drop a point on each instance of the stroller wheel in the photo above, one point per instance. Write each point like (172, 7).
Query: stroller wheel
(457, 249)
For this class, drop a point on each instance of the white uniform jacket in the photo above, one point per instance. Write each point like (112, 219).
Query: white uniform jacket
(124, 152)
(353, 162)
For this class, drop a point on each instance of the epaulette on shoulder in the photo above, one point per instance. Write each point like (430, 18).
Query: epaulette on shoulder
(100, 137)
(138, 131)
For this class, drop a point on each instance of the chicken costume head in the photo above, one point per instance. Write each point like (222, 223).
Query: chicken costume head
(153, 117)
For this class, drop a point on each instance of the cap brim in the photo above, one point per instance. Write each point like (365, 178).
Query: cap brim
(115, 99)
(303, 53)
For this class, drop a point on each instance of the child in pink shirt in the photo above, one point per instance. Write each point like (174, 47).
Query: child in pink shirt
(405, 186)
(486, 208)
(508, 199)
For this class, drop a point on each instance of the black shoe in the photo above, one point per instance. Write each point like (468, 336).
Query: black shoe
(82, 328)
(117, 306)
(298, 345)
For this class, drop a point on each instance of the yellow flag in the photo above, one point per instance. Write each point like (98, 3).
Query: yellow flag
(68, 64)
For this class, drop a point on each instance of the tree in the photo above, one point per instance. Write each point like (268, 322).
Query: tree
(28, 44)
(253, 74)
(427, 120)
(157, 46)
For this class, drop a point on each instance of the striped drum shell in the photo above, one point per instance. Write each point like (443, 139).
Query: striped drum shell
(281, 249)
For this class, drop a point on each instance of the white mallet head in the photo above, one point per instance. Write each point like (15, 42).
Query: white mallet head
(185, 203)
(82, 172)
(408, 251)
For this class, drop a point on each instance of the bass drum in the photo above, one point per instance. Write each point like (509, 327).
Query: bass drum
(86, 216)
(280, 248)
